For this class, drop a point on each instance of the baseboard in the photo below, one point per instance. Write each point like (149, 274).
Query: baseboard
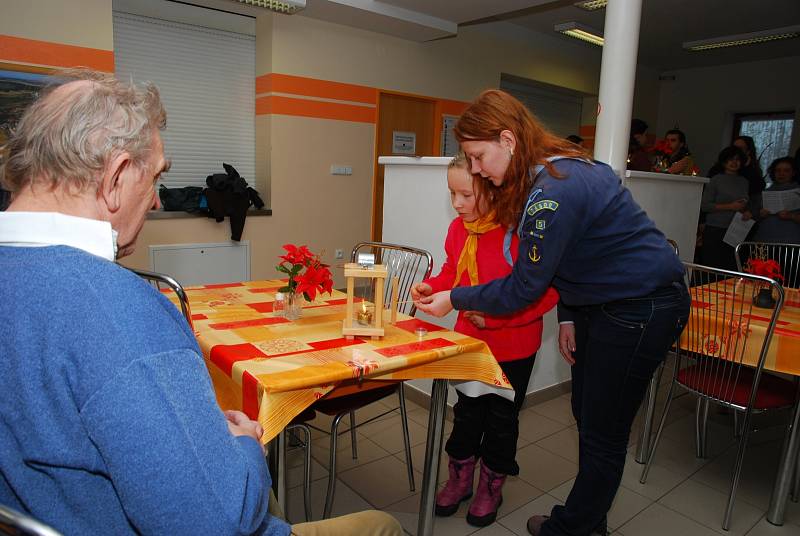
(420, 397)
(548, 393)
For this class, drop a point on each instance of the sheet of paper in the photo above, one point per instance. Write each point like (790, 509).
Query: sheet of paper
(737, 230)
(781, 200)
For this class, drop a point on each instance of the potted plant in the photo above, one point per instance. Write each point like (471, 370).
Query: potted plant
(307, 275)
(766, 268)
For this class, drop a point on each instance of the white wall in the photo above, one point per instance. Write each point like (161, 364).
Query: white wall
(701, 102)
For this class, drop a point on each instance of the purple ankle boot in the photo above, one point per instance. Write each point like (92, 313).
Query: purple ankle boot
(488, 498)
(458, 487)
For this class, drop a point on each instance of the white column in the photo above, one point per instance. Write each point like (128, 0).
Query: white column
(617, 77)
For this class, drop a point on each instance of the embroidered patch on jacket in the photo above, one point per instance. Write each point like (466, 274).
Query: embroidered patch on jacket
(540, 224)
(544, 204)
(533, 254)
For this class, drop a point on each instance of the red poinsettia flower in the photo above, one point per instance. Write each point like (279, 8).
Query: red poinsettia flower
(766, 268)
(662, 147)
(297, 254)
(314, 279)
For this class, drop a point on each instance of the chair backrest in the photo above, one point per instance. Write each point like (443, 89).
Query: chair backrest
(162, 281)
(674, 245)
(725, 339)
(17, 524)
(409, 265)
(787, 255)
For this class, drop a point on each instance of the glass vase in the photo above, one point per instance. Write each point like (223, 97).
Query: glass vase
(294, 305)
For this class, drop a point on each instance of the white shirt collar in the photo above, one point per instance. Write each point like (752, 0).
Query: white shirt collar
(39, 229)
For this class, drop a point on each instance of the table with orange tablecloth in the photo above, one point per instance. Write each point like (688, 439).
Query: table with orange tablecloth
(272, 368)
(783, 356)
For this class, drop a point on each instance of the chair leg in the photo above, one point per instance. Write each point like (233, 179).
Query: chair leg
(406, 439)
(332, 467)
(701, 426)
(795, 494)
(737, 471)
(737, 425)
(307, 471)
(353, 445)
(651, 456)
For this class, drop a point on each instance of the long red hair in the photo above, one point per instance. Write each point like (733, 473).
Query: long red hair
(493, 112)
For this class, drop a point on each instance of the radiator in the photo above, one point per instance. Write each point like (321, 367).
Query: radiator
(203, 264)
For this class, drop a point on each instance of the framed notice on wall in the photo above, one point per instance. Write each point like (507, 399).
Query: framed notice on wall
(449, 142)
(404, 142)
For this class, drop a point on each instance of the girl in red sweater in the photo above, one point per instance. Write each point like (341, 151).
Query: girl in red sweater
(486, 423)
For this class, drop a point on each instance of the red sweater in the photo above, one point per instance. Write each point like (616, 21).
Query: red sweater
(510, 337)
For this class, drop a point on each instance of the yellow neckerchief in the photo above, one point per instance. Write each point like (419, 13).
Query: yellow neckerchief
(467, 261)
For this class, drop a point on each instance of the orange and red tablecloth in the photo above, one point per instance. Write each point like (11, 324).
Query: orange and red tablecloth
(273, 368)
(723, 304)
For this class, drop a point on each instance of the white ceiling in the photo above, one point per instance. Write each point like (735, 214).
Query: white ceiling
(666, 24)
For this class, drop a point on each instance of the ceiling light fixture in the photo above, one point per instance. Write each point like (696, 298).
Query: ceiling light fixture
(287, 7)
(751, 38)
(579, 31)
(592, 5)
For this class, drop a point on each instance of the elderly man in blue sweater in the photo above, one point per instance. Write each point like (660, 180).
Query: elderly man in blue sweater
(108, 421)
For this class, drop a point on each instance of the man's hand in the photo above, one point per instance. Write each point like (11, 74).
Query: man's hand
(438, 304)
(566, 342)
(241, 425)
(420, 290)
(477, 318)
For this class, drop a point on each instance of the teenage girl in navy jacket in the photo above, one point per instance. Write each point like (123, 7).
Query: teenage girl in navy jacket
(623, 300)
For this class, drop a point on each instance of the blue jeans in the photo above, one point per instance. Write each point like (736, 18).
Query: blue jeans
(619, 346)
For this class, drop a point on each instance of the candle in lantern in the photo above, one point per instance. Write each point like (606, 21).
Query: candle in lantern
(364, 316)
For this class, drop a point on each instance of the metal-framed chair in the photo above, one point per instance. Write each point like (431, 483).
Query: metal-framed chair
(161, 281)
(13, 523)
(410, 265)
(298, 424)
(787, 255)
(711, 359)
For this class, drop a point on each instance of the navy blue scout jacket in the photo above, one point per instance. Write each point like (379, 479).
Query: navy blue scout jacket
(585, 235)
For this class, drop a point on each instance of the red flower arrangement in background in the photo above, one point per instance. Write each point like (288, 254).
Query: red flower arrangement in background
(307, 274)
(766, 268)
(662, 147)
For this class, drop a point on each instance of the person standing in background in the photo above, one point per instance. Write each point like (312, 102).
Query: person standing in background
(724, 196)
(639, 158)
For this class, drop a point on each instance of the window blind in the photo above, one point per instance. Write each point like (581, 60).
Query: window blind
(559, 109)
(207, 82)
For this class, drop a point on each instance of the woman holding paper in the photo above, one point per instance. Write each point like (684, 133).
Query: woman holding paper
(723, 198)
(781, 226)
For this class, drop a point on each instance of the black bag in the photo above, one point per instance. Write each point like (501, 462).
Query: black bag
(186, 199)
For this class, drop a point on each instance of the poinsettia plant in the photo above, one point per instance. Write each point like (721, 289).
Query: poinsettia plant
(662, 147)
(307, 273)
(764, 267)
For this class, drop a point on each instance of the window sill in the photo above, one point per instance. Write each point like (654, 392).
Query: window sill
(178, 215)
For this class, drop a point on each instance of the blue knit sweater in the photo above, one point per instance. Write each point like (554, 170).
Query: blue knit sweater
(108, 421)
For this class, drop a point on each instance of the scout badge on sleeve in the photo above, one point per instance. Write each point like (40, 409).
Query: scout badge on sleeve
(533, 254)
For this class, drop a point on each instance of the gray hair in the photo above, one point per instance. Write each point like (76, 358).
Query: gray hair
(67, 136)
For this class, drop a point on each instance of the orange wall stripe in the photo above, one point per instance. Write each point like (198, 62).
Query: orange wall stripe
(311, 87)
(17, 49)
(318, 109)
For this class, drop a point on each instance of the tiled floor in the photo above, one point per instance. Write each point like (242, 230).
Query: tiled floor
(683, 496)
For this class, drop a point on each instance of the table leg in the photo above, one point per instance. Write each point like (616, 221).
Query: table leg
(783, 480)
(643, 448)
(433, 452)
(277, 467)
